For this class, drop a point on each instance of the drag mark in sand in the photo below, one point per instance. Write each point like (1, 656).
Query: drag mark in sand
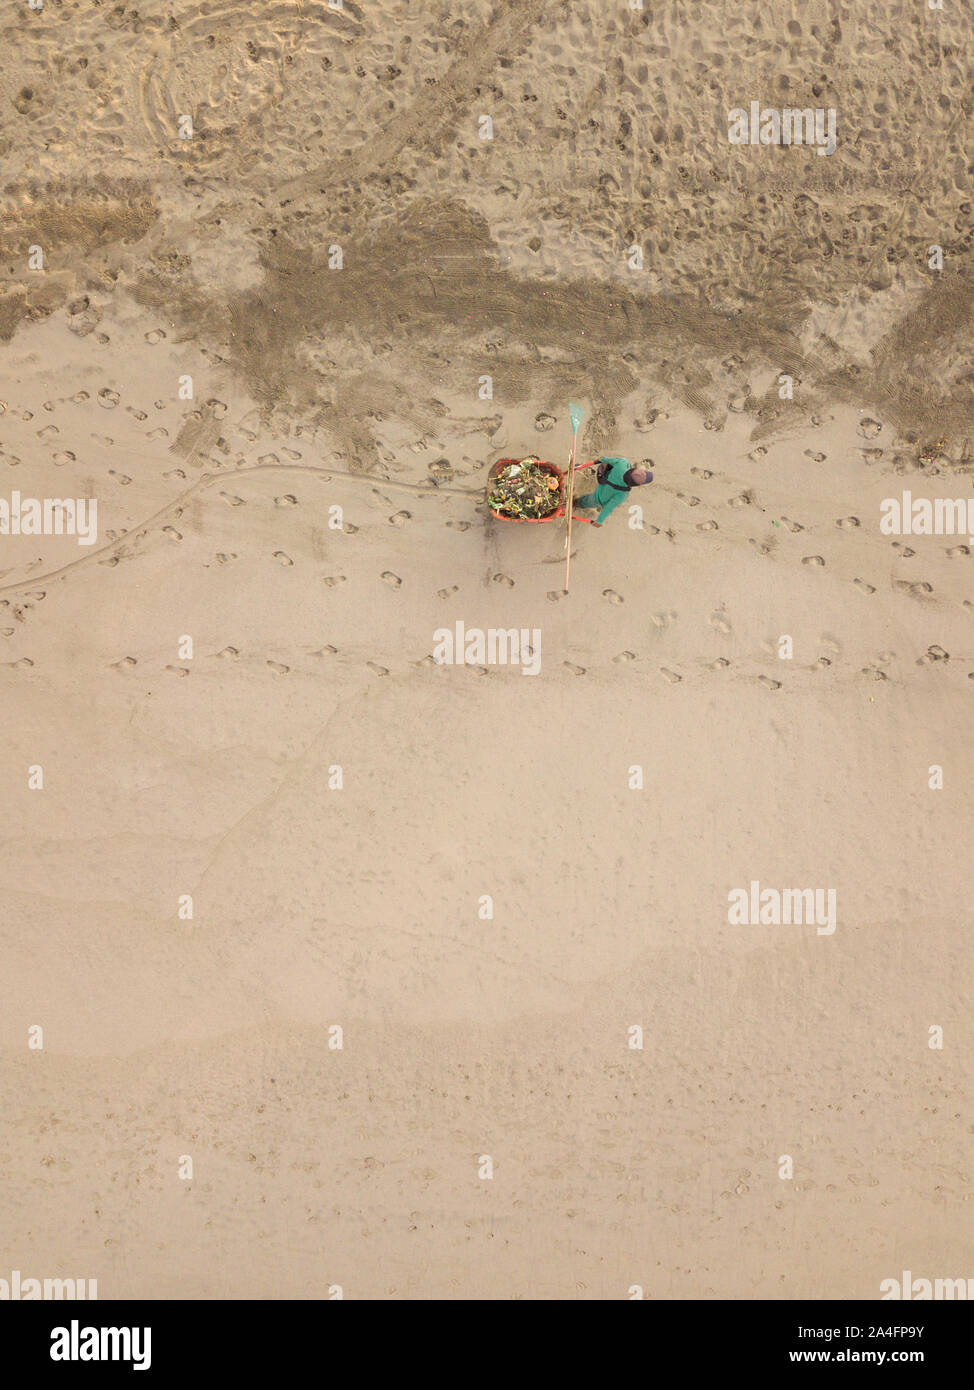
(200, 486)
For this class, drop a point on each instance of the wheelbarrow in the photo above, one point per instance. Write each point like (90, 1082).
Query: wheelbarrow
(550, 468)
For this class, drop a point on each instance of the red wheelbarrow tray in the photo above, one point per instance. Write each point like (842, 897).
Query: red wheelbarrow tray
(551, 468)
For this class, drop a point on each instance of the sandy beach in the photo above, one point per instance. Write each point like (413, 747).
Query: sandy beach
(430, 970)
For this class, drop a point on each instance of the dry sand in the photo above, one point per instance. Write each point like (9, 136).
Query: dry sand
(357, 388)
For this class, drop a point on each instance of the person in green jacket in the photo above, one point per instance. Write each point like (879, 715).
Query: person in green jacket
(616, 476)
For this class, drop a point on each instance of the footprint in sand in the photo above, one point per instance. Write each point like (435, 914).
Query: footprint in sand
(326, 650)
(690, 501)
(503, 579)
(624, 657)
(720, 664)
(707, 526)
(178, 670)
(122, 479)
(871, 455)
(768, 683)
(812, 560)
(348, 529)
(933, 654)
(762, 547)
(172, 533)
(874, 673)
(701, 473)
(906, 551)
(866, 588)
(400, 518)
(379, 670)
(848, 523)
(575, 670)
(229, 653)
(669, 675)
(793, 526)
(283, 559)
(956, 551)
(816, 458)
(661, 621)
(647, 421)
(445, 593)
(612, 596)
(743, 499)
(459, 525)
(915, 590)
(108, 398)
(126, 664)
(758, 453)
(869, 428)
(720, 623)
(333, 579)
(231, 500)
(553, 595)
(544, 422)
(278, 668)
(287, 500)
(66, 456)
(223, 559)
(154, 335)
(391, 579)
(821, 664)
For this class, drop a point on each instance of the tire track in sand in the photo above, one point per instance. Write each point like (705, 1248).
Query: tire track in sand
(435, 113)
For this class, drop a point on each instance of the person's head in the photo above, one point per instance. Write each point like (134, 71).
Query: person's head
(641, 475)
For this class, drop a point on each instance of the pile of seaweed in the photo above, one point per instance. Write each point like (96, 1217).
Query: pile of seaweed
(524, 490)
